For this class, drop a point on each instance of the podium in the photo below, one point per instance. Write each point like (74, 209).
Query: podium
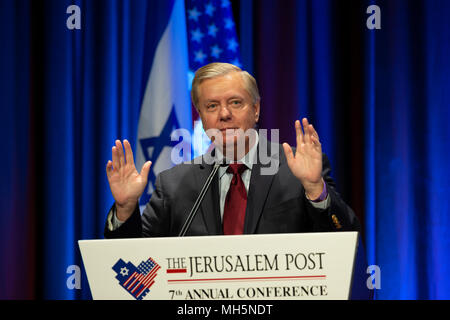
(311, 266)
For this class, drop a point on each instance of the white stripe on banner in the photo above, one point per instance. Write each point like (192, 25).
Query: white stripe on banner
(166, 92)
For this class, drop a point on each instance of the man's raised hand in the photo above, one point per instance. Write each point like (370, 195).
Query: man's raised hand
(126, 184)
(306, 164)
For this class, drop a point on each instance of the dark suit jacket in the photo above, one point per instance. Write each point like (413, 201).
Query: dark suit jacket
(276, 204)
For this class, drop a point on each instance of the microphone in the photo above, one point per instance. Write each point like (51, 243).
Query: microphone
(199, 200)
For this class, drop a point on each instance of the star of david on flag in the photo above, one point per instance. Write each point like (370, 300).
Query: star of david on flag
(166, 103)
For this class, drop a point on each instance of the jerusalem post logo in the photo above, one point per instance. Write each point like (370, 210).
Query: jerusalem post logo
(136, 280)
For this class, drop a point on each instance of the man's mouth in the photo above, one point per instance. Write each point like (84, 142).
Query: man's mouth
(231, 130)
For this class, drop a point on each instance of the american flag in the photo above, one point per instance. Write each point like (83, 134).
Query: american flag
(137, 281)
(212, 37)
(211, 33)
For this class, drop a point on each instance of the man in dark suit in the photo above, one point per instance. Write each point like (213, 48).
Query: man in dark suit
(298, 196)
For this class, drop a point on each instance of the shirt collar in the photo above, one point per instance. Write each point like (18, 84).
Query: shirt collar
(249, 159)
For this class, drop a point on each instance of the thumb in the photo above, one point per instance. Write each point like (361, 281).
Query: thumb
(288, 152)
(109, 169)
(145, 170)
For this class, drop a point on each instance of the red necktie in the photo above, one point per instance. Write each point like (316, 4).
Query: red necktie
(235, 202)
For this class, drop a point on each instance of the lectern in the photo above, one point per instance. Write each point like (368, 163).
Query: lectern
(263, 267)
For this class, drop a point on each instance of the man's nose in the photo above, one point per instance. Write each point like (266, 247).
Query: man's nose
(225, 112)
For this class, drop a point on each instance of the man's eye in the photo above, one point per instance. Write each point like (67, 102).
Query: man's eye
(211, 106)
(235, 103)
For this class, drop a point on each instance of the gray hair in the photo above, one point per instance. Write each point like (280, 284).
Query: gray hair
(217, 69)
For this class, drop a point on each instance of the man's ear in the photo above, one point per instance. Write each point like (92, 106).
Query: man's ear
(200, 115)
(196, 109)
(257, 109)
(194, 106)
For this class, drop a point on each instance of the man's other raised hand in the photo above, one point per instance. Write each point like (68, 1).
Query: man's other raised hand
(127, 185)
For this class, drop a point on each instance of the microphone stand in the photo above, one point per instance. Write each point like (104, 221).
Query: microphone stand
(199, 200)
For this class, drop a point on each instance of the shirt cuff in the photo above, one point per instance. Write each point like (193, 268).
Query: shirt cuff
(323, 201)
(325, 204)
(113, 222)
(323, 195)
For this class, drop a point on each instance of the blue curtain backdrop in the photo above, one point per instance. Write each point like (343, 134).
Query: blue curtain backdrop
(92, 88)
(380, 101)
(16, 201)
(379, 98)
(407, 149)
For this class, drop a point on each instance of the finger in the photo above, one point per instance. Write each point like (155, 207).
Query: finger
(314, 132)
(120, 152)
(288, 152)
(307, 136)
(115, 158)
(316, 142)
(128, 152)
(109, 168)
(310, 133)
(145, 170)
(298, 133)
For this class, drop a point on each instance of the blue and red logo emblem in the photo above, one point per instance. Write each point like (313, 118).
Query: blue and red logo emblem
(136, 280)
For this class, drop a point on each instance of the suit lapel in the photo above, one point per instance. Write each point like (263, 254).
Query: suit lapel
(260, 185)
(210, 205)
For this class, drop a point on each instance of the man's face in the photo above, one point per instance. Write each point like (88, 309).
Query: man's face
(224, 104)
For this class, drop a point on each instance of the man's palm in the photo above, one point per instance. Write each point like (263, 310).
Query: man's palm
(306, 164)
(126, 184)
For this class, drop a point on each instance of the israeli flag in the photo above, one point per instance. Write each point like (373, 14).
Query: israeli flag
(166, 103)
